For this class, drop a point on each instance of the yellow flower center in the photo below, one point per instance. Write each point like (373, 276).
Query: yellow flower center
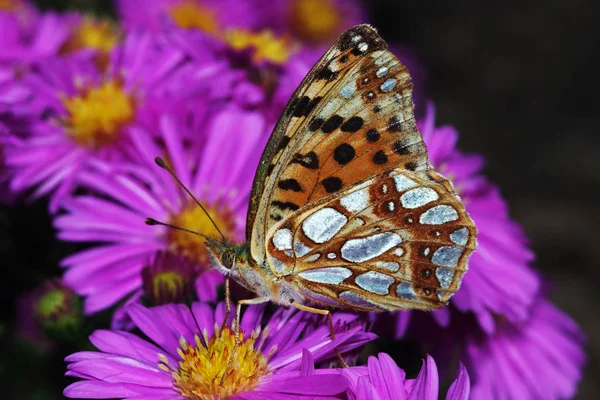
(188, 14)
(51, 302)
(265, 45)
(91, 33)
(194, 218)
(315, 21)
(199, 373)
(96, 115)
(171, 282)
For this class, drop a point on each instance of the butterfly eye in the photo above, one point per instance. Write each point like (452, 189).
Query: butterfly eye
(228, 259)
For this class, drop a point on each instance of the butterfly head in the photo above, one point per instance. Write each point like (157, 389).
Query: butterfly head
(227, 257)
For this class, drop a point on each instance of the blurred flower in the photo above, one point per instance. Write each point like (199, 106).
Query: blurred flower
(81, 113)
(500, 281)
(206, 16)
(314, 22)
(191, 355)
(57, 310)
(540, 358)
(91, 36)
(217, 166)
(382, 379)
(256, 69)
(168, 278)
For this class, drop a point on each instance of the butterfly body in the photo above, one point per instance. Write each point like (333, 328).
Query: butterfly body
(345, 209)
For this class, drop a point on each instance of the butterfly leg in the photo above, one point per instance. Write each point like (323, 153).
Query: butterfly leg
(329, 320)
(236, 328)
(227, 304)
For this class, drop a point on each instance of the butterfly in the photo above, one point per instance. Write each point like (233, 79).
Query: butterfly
(345, 209)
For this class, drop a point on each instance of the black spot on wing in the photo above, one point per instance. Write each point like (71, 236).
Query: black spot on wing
(315, 124)
(411, 166)
(394, 125)
(400, 148)
(327, 74)
(290, 184)
(352, 125)
(372, 136)
(305, 106)
(309, 160)
(285, 205)
(380, 158)
(332, 184)
(343, 154)
(332, 124)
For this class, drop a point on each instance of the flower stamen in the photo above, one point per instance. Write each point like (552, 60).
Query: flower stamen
(199, 373)
(189, 14)
(96, 116)
(265, 45)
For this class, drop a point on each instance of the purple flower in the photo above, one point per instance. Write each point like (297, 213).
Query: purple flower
(206, 16)
(540, 358)
(210, 154)
(190, 353)
(382, 379)
(314, 22)
(80, 113)
(500, 281)
(256, 69)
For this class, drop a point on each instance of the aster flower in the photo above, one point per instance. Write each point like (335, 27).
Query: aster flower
(314, 22)
(382, 379)
(74, 123)
(209, 17)
(218, 167)
(257, 69)
(540, 358)
(190, 354)
(500, 281)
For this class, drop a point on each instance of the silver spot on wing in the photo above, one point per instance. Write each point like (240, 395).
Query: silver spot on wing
(418, 197)
(444, 276)
(363, 249)
(460, 236)
(282, 239)
(331, 275)
(447, 256)
(323, 224)
(439, 215)
(375, 282)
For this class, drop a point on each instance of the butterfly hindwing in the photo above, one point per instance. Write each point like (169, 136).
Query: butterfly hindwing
(395, 241)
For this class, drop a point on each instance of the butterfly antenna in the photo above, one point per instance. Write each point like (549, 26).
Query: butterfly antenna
(152, 222)
(159, 161)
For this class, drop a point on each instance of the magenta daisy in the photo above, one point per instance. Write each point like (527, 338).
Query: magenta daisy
(217, 166)
(86, 113)
(190, 352)
(540, 358)
(209, 17)
(500, 281)
(382, 379)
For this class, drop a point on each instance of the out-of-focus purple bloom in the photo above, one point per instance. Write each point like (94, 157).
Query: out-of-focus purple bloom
(80, 113)
(190, 354)
(209, 17)
(313, 22)
(540, 358)
(382, 379)
(217, 165)
(500, 281)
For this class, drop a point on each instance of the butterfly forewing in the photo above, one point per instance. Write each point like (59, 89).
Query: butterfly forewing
(317, 98)
(344, 204)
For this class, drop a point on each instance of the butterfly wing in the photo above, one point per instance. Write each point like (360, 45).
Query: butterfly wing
(350, 117)
(395, 241)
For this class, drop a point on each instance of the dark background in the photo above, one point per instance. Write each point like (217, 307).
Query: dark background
(520, 83)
